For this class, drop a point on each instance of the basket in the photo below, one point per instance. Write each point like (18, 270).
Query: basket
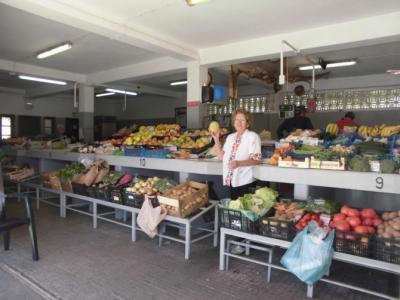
(278, 229)
(387, 250)
(51, 180)
(235, 219)
(353, 243)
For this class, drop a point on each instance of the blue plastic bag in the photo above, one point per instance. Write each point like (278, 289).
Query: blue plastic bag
(308, 258)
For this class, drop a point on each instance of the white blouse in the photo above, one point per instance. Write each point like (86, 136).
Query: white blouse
(249, 148)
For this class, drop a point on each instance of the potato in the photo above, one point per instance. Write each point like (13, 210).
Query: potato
(396, 234)
(382, 226)
(393, 215)
(396, 226)
(387, 235)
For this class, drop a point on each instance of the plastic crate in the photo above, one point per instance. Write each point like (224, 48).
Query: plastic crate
(92, 191)
(235, 219)
(116, 195)
(103, 193)
(80, 189)
(278, 229)
(354, 243)
(387, 250)
(146, 152)
(133, 199)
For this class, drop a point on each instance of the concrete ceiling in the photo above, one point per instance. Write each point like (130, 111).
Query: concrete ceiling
(148, 42)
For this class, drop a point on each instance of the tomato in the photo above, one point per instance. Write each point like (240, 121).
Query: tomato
(377, 222)
(361, 229)
(352, 212)
(371, 230)
(339, 217)
(354, 221)
(342, 225)
(368, 213)
(367, 222)
(344, 209)
(350, 237)
(315, 217)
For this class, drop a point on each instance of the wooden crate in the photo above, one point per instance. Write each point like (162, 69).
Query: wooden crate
(294, 163)
(328, 165)
(185, 205)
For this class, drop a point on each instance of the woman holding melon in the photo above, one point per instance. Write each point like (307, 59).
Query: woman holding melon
(241, 151)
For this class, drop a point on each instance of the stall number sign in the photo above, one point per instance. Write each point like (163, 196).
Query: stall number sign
(379, 183)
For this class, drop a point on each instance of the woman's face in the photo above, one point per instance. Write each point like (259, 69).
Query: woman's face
(240, 123)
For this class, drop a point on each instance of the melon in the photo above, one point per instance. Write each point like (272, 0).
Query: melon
(213, 127)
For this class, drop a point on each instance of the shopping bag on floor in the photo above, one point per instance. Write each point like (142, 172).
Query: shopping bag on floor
(309, 258)
(149, 217)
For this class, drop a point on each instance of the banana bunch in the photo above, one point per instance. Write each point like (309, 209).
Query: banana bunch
(366, 131)
(332, 128)
(389, 130)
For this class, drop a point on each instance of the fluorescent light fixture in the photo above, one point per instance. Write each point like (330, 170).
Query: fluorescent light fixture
(195, 2)
(122, 92)
(55, 50)
(393, 72)
(25, 77)
(330, 65)
(179, 82)
(105, 94)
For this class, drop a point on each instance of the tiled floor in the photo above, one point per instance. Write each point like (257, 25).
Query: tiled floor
(79, 262)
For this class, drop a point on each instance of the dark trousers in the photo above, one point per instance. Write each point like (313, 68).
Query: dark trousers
(239, 191)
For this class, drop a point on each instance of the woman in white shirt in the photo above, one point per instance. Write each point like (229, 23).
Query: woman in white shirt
(241, 151)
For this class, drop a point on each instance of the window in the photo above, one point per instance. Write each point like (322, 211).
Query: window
(48, 126)
(6, 126)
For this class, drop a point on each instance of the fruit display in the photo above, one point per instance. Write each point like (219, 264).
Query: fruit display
(332, 128)
(382, 130)
(15, 140)
(289, 211)
(390, 227)
(142, 187)
(307, 218)
(364, 221)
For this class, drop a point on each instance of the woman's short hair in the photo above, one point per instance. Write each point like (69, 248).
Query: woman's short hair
(247, 115)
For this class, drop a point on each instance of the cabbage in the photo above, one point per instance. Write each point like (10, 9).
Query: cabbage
(235, 204)
(259, 203)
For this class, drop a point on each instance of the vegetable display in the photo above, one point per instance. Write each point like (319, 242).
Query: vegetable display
(69, 171)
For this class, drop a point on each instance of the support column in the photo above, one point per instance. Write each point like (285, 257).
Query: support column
(196, 77)
(86, 113)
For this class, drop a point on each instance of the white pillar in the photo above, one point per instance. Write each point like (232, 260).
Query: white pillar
(86, 113)
(196, 77)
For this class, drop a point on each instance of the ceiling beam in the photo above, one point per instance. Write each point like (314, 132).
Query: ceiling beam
(4, 89)
(47, 90)
(386, 28)
(138, 71)
(20, 68)
(103, 25)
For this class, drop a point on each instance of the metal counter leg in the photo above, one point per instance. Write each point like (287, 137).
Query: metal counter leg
(310, 291)
(94, 215)
(162, 231)
(63, 205)
(187, 240)
(222, 252)
(133, 227)
(37, 198)
(216, 229)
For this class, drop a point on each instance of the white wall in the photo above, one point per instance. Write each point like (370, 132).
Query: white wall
(142, 107)
(57, 106)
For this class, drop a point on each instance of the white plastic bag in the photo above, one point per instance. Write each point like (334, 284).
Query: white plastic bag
(149, 217)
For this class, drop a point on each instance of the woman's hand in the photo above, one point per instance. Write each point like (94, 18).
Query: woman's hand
(215, 136)
(233, 164)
